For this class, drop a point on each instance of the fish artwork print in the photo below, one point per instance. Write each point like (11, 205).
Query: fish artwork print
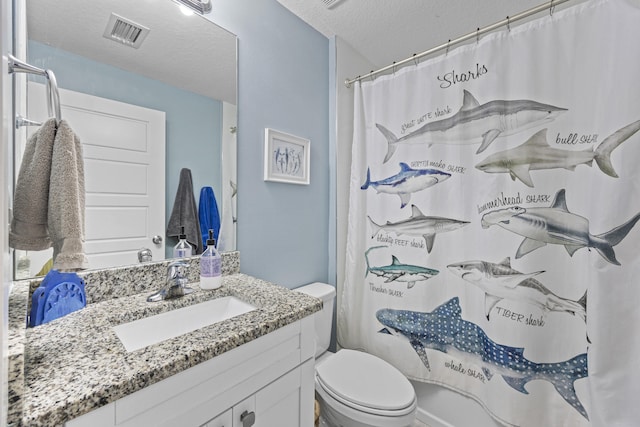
(500, 281)
(419, 225)
(444, 330)
(398, 271)
(475, 123)
(406, 181)
(536, 154)
(556, 225)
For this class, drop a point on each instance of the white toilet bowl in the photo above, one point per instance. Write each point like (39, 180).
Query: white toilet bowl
(357, 389)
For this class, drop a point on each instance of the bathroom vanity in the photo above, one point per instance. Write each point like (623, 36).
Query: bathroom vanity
(253, 368)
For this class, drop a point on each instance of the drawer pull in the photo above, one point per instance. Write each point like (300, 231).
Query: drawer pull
(248, 418)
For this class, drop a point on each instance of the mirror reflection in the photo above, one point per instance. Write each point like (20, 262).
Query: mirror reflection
(156, 97)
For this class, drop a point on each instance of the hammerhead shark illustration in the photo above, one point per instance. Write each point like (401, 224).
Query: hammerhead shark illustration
(406, 181)
(419, 225)
(475, 123)
(397, 271)
(499, 281)
(536, 154)
(557, 225)
(444, 330)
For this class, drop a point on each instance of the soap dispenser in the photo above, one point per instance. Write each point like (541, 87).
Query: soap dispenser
(183, 248)
(210, 265)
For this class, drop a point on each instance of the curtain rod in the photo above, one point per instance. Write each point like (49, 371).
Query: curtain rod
(480, 31)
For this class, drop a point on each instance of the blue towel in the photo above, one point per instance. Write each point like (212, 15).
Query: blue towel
(208, 215)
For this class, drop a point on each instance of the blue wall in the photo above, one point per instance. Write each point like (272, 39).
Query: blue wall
(283, 83)
(188, 146)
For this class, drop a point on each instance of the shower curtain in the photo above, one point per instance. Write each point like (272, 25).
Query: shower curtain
(492, 239)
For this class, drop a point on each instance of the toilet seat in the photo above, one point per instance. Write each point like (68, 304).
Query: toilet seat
(366, 383)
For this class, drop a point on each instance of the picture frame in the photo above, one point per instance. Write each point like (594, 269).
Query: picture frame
(287, 158)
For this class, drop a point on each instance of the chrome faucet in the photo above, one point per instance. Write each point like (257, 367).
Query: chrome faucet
(175, 285)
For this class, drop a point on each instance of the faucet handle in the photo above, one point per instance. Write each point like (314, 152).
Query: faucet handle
(175, 270)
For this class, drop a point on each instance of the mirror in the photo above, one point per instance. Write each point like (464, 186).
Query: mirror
(185, 67)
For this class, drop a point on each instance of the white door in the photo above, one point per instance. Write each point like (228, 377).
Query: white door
(124, 161)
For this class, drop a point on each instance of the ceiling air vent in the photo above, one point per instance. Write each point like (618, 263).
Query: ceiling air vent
(330, 3)
(125, 31)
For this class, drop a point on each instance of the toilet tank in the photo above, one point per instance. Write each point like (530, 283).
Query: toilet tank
(324, 317)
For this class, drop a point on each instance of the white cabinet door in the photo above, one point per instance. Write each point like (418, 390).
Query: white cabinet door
(222, 420)
(278, 404)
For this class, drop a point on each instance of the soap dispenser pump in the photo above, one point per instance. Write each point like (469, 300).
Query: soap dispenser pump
(210, 265)
(183, 248)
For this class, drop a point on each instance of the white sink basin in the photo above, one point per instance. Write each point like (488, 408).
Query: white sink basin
(154, 329)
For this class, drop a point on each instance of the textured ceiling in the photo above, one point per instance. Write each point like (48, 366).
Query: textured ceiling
(189, 52)
(384, 31)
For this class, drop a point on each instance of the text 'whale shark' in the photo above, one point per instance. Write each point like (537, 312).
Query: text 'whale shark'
(444, 330)
(475, 123)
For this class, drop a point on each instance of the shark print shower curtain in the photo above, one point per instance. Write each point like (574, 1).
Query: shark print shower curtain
(492, 237)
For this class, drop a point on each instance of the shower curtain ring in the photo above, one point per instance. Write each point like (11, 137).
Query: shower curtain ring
(394, 67)
(551, 8)
(508, 24)
(371, 75)
(447, 51)
(478, 35)
(415, 60)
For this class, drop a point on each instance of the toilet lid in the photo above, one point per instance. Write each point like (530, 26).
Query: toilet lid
(366, 381)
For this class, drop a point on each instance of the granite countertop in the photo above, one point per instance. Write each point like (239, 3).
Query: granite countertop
(75, 364)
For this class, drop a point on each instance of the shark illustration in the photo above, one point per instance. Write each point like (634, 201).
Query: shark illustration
(499, 281)
(444, 330)
(419, 225)
(475, 123)
(557, 225)
(398, 272)
(536, 154)
(407, 181)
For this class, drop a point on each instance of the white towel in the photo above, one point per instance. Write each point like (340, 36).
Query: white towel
(49, 197)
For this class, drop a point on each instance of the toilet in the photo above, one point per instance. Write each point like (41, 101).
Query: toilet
(356, 389)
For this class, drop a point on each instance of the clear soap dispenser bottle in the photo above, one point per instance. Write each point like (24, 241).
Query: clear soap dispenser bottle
(210, 265)
(183, 248)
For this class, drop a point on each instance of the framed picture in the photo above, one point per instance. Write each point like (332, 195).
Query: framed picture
(286, 158)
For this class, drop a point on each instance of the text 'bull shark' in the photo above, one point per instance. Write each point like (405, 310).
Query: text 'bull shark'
(475, 123)
(419, 225)
(500, 281)
(399, 272)
(557, 225)
(536, 154)
(406, 181)
(444, 330)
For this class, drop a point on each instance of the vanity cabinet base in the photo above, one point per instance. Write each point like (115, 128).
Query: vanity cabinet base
(270, 378)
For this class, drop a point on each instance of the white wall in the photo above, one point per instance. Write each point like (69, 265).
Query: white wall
(349, 64)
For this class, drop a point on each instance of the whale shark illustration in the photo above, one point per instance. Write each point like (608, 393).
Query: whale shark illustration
(536, 154)
(475, 123)
(444, 330)
(406, 181)
(419, 225)
(500, 281)
(557, 225)
(399, 272)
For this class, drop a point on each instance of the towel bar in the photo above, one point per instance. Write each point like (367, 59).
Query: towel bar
(53, 100)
